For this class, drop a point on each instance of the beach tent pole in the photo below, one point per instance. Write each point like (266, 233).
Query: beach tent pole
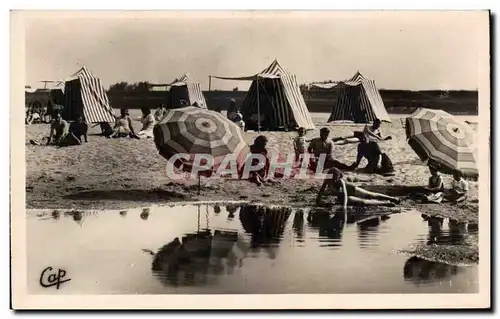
(258, 105)
(209, 83)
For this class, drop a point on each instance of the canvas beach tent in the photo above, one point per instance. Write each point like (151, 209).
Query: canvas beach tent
(85, 95)
(274, 100)
(182, 89)
(359, 100)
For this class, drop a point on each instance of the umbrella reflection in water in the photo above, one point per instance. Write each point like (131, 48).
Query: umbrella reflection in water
(199, 257)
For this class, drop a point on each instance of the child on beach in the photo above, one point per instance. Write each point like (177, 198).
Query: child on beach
(299, 143)
(349, 193)
(434, 192)
(459, 188)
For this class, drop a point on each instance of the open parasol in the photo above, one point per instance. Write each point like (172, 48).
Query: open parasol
(442, 138)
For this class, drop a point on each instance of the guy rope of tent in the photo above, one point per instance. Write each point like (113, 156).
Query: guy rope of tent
(291, 98)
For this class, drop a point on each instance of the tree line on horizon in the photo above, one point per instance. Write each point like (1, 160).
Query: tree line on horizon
(144, 86)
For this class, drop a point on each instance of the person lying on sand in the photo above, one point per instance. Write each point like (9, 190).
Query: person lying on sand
(123, 126)
(356, 137)
(348, 193)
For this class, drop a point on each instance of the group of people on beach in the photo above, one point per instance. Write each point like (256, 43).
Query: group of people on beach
(379, 163)
(64, 134)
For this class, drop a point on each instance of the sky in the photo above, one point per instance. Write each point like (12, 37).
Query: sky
(399, 50)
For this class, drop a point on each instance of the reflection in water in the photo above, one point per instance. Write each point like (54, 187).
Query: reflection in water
(198, 258)
(265, 225)
(145, 213)
(298, 225)
(231, 210)
(217, 209)
(368, 230)
(56, 214)
(265, 250)
(329, 225)
(456, 234)
(417, 270)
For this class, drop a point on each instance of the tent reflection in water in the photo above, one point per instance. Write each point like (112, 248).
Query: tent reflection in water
(199, 257)
(265, 225)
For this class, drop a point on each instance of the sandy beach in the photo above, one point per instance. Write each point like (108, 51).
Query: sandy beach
(120, 173)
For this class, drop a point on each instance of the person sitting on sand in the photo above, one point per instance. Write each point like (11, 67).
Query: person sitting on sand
(459, 189)
(33, 117)
(33, 114)
(160, 112)
(148, 122)
(348, 193)
(434, 191)
(259, 147)
(373, 133)
(323, 145)
(371, 151)
(123, 126)
(106, 129)
(79, 129)
(232, 110)
(299, 143)
(59, 134)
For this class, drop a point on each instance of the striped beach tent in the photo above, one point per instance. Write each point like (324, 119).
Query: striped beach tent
(359, 100)
(85, 95)
(274, 95)
(184, 88)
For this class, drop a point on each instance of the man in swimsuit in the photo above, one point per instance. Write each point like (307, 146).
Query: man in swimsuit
(324, 145)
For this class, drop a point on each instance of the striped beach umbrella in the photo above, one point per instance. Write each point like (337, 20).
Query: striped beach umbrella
(438, 136)
(193, 130)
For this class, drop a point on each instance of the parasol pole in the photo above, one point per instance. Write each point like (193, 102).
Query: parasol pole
(258, 105)
(198, 218)
(199, 184)
(209, 83)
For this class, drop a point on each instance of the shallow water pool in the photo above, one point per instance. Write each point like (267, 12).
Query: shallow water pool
(239, 249)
